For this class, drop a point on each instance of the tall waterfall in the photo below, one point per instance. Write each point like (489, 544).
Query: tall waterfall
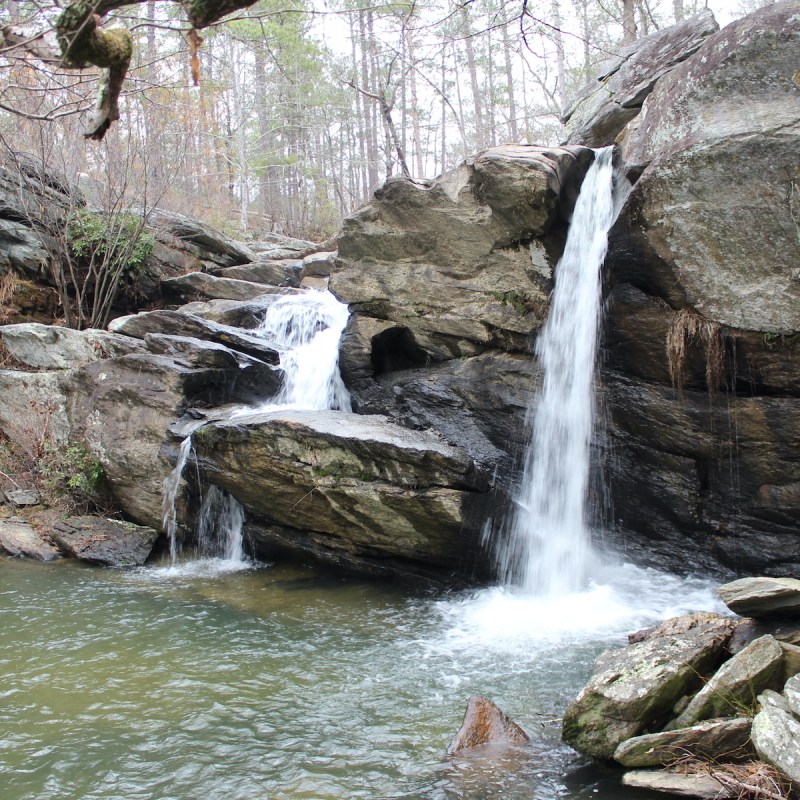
(547, 548)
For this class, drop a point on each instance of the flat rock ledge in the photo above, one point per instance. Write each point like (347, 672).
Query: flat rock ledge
(107, 542)
(701, 705)
(20, 539)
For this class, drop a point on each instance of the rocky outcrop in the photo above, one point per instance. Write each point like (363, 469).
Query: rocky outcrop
(485, 723)
(107, 542)
(703, 356)
(636, 689)
(748, 709)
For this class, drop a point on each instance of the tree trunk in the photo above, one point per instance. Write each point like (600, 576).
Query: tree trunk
(628, 21)
(466, 31)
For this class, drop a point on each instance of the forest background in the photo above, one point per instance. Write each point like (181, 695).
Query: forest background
(291, 112)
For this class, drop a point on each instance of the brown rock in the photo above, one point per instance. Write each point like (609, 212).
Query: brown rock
(483, 723)
(104, 541)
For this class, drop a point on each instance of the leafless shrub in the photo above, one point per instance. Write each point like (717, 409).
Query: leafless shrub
(686, 328)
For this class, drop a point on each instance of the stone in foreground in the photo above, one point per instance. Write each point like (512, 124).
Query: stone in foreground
(485, 723)
(104, 541)
(635, 688)
(18, 538)
(726, 740)
(762, 597)
(776, 738)
(684, 784)
(737, 683)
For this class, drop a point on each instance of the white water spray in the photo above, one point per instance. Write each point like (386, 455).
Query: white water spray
(547, 549)
(169, 496)
(306, 329)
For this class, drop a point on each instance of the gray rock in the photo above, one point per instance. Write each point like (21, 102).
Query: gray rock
(319, 265)
(103, 541)
(635, 688)
(762, 597)
(717, 740)
(23, 497)
(201, 285)
(791, 660)
(689, 214)
(19, 538)
(738, 682)
(175, 323)
(214, 244)
(370, 488)
(52, 347)
(776, 738)
(283, 273)
(792, 693)
(605, 106)
(774, 699)
(34, 407)
(683, 784)
(485, 723)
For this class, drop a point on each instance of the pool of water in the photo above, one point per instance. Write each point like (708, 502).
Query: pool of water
(205, 681)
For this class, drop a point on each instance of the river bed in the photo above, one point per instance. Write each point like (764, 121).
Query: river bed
(210, 680)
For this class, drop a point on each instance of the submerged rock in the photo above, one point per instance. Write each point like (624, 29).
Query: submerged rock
(104, 541)
(485, 723)
(635, 688)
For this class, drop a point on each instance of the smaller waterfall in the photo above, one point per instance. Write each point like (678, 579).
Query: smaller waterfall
(220, 526)
(169, 496)
(306, 329)
(547, 548)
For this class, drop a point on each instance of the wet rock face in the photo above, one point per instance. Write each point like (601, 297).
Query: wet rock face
(703, 351)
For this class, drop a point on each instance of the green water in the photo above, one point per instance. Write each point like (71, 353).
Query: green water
(275, 682)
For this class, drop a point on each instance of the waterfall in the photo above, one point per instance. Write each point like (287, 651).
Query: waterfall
(306, 329)
(547, 548)
(220, 526)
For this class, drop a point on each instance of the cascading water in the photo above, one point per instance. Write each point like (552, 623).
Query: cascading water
(306, 329)
(547, 547)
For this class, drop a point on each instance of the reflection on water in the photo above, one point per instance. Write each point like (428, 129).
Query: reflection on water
(279, 682)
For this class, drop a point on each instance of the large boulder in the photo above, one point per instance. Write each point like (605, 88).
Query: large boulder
(603, 108)
(459, 262)
(19, 538)
(364, 486)
(634, 689)
(776, 738)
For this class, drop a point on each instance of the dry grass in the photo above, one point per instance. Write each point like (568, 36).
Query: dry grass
(8, 288)
(687, 328)
(753, 780)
